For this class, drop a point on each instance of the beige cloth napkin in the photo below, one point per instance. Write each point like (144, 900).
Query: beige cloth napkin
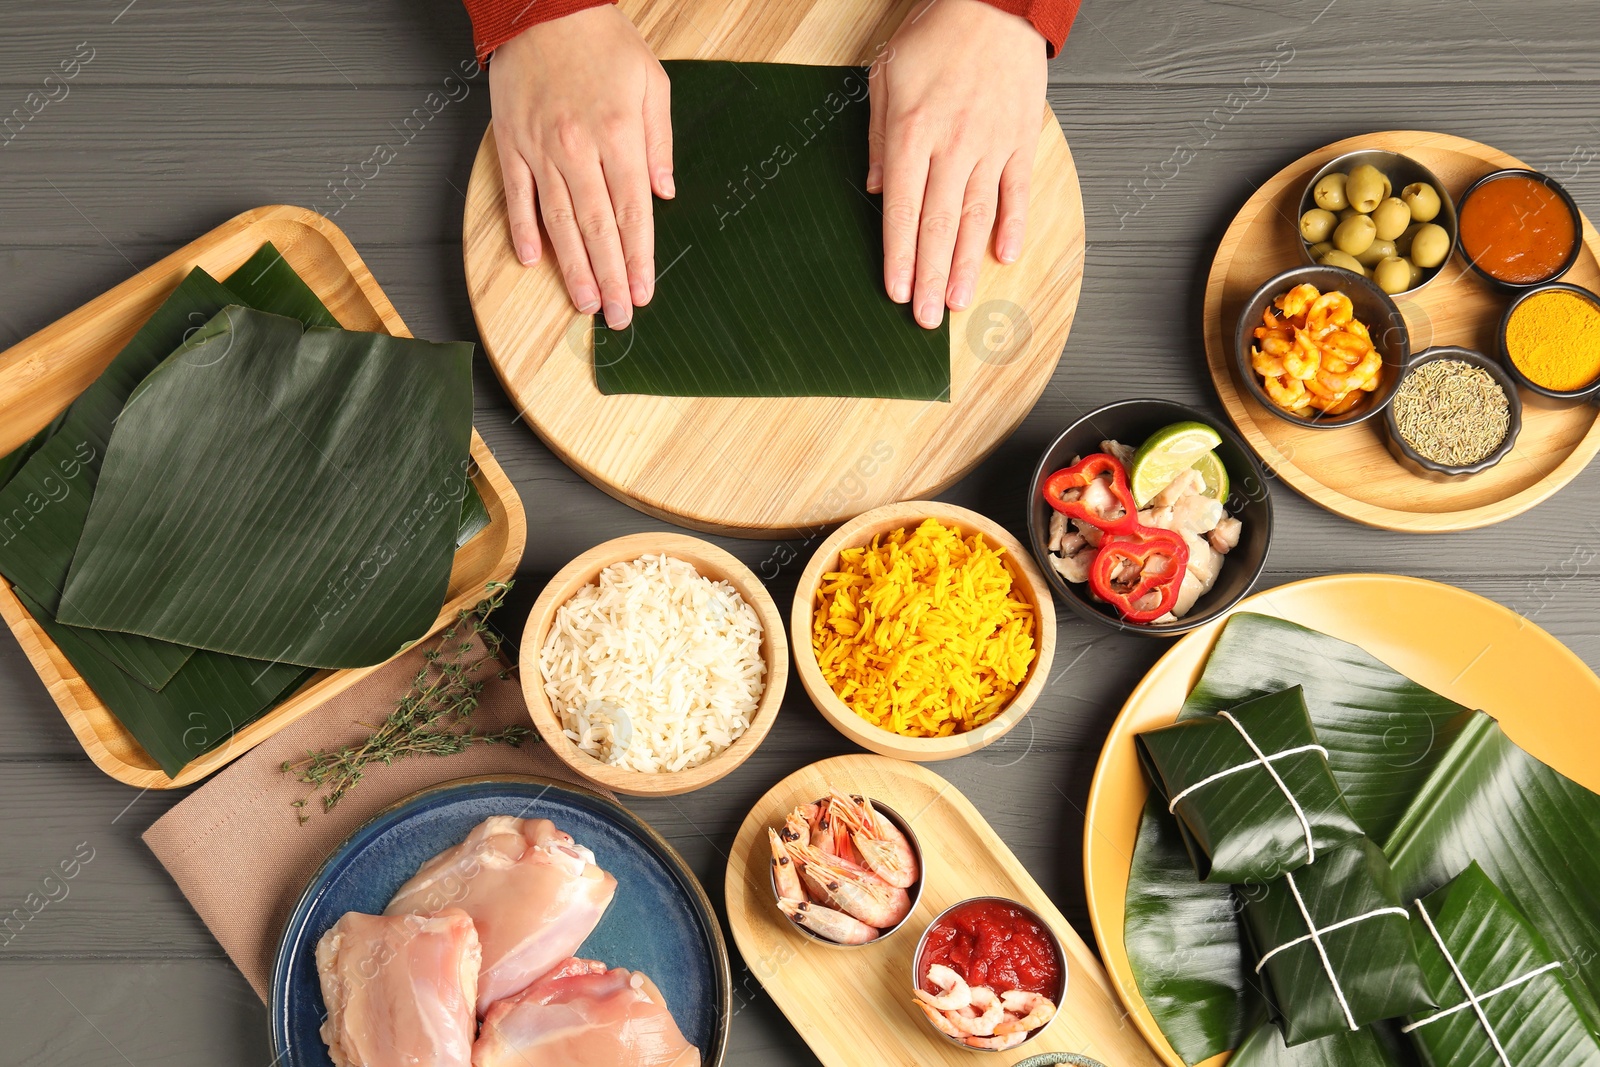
(236, 847)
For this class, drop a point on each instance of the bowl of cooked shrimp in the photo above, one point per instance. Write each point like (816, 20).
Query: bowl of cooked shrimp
(846, 869)
(989, 974)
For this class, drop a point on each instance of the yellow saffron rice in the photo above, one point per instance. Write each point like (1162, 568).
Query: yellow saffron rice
(920, 633)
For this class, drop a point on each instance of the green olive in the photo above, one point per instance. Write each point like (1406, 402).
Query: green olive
(1320, 249)
(1422, 199)
(1392, 274)
(1329, 193)
(1377, 251)
(1317, 224)
(1343, 260)
(1348, 213)
(1416, 274)
(1388, 186)
(1429, 245)
(1402, 243)
(1392, 217)
(1355, 235)
(1365, 189)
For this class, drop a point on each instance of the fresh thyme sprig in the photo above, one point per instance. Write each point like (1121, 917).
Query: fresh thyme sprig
(431, 719)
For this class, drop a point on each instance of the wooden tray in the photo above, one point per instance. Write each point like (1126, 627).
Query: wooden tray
(1350, 471)
(774, 467)
(853, 1006)
(1456, 643)
(44, 373)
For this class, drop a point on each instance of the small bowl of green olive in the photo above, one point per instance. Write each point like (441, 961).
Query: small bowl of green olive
(1381, 215)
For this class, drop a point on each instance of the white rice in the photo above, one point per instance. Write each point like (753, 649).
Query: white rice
(654, 667)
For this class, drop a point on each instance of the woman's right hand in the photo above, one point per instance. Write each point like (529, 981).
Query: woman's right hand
(583, 124)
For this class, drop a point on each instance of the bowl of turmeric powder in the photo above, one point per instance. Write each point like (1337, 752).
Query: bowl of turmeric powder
(1550, 342)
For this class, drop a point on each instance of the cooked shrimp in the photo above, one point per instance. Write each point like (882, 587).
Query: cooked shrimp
(1296, 301)
(1025, 1011)
(1265, 362)
(797, 825)
(953, 993)
(936, 1017)
(1366, 370)
(836, 926)
(1329, 312)
(1288, 393)
(1303, 357)
(854, 892)
(884, 849)
(821, 826)
(784, 876)
(998, 1043)
(981, 1017)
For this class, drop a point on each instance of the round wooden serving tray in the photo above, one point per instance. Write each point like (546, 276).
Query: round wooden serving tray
(1350, 471)
(774, 467)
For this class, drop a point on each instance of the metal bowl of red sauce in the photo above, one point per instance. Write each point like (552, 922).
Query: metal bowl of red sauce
(1003, 948)
(1518, 228)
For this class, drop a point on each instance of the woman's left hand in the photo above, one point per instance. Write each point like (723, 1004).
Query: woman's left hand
(956, 101)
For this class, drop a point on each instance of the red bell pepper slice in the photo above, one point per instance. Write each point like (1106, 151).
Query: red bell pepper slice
(1141, 548)
(1078, 476)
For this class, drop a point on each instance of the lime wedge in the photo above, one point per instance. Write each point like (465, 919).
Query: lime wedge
(1167, 453)
(1216, 476)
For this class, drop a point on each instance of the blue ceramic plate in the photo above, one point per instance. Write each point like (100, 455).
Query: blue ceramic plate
(660, 921)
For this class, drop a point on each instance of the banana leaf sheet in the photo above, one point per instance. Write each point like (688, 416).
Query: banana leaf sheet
(1335, 944)
(304, 511)
(769, 259)
(1518, 999)
(1437, 785)
(1245, 820)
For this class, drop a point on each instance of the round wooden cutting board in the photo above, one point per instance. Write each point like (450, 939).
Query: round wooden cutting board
(1350, 471)
(776, 467)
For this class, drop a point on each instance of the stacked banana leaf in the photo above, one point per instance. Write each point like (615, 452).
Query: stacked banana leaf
(1459, 930)
(247, 494)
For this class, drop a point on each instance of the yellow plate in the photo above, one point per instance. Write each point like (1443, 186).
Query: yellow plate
(1454, 642)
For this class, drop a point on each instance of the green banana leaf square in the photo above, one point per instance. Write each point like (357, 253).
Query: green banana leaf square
(1503, 990)
(1335, 944)
(1251, 788)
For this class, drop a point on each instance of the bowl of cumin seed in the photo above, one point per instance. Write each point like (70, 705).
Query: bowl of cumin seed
(1455, 413)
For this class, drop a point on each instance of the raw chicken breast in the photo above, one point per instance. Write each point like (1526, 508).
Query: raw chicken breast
(399, 989)
(533, 893)
(582, 1015)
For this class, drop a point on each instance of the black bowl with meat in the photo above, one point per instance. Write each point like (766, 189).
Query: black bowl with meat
(1234, 546)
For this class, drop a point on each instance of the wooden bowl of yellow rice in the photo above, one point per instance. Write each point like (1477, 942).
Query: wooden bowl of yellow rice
(940, 640)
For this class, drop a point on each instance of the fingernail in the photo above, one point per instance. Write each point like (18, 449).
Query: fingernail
(527, 252)
(640, 289)
(900, 292)
(961, 297)
(618, 314)
(875, 178)
(1010, 249)
(931, 313)
(668, 189)
(586, 300)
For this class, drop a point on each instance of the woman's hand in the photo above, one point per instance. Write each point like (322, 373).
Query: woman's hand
(582, 121)
(956, 102)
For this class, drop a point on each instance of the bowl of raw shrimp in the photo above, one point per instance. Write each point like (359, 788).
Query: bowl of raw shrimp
(989, 974)
(846, 870)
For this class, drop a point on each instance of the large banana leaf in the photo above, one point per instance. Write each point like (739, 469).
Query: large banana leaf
(303, 510)
(770, 258)
(1384, 734)
(1357, 965)
(12, 461)
(1533, 831)
(1528, 1004)
(267, 282)
(1236, 818)
(209, 698)
(1370, 1046)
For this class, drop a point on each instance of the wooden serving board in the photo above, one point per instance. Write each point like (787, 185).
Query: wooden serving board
(42, 374)
(853, 1006)
(1350, 471)
(773, 467)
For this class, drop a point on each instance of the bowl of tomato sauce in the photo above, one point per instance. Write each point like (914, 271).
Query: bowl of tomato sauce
(989, 974)
(1519, 228)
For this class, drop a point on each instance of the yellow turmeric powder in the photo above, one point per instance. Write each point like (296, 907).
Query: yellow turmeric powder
(1554, 340)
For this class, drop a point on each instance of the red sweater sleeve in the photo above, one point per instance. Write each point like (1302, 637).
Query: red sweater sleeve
(494, 22)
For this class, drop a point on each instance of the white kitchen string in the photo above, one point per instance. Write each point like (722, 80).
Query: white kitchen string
(1341, 924)
(1242, 767)
(1473, 1001)
(1338, 990)
(1264, 760)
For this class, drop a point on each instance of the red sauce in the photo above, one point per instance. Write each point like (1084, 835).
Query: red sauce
(995, 944)
(1517, 229)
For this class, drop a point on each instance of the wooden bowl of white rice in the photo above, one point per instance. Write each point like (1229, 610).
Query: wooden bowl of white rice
(654, 664)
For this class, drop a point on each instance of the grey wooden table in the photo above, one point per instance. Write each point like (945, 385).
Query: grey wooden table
(184, 112)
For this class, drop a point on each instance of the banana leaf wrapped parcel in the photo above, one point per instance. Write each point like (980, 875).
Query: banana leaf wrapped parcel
(1505, 999)
(1251, 788)
(1336, 944)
